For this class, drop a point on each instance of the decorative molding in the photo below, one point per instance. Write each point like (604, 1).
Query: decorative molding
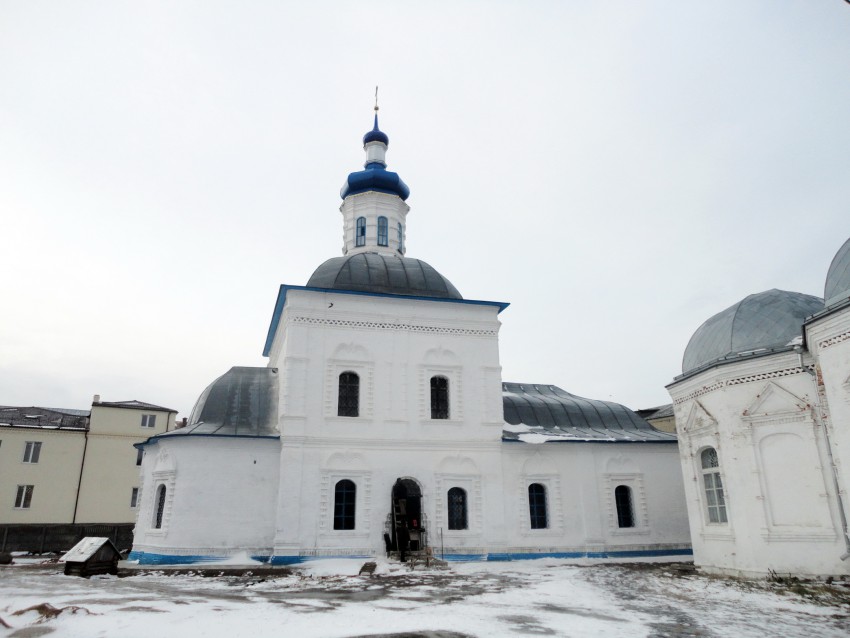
(554, 511)
(362, 479)
(471, 484)
(761, 376)
(699, 419)
(775, 401)
(832, 341)
(396, 327)
(640, 512)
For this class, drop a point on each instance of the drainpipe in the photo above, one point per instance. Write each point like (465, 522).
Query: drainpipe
(82, 466)
(816, 416)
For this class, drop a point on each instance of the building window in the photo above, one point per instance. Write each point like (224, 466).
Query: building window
(160, 507)
(537, 506)
(457, 508)
(134, 498)
(139, 454)
(23, 499)
(625, 511)
(715, 500)
(148, 420)
(360, 234)
(383, 231)
(349, 395)
(400, 238)
(439, 398)
(32, 450)
(345, 494)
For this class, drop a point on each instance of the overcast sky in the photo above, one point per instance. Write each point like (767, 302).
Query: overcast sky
(618, 171)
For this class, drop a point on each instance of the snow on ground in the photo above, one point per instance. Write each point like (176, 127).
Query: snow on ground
(327, 599)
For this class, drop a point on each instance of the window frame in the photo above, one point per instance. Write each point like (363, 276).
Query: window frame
(140, 454)
(383, 231)
(345, 505)
(457, 506)
(715, 492)
(148, 421)
(537, 502)
(32, 452)
(159, 506)
(360, 232)
(134, 498)
(348, 394)
(23, 497)
(624, 506)
(400, 238)
(440, 398)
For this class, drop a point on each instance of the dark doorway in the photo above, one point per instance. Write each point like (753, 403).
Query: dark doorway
(407, 532)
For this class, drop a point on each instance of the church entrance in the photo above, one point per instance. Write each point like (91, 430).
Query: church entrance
(406, 533)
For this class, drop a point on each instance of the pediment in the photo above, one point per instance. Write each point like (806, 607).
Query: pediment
(698, 418)
(774, 400)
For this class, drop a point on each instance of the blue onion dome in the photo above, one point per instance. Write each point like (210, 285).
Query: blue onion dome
(376, 135)
(384, 274)
(758, 324)
(837, 286)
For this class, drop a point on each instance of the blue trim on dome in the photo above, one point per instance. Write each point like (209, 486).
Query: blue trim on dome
(376, 135)
(374, 178)
(281, 300)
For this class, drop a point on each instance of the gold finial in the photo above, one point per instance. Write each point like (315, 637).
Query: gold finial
(376, 99)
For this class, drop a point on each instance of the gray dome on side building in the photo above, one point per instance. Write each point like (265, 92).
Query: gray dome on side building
(386, 274)
(837, 287)
(756, 324)
(241, 402)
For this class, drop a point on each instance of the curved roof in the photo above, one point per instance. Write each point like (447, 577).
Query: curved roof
(837, 287)
(241, 402)
(546, 413)
(387, 274)
(374, 178)
(376, 135)
(757, 324)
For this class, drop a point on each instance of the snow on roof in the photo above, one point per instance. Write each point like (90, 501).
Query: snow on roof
(86, 548)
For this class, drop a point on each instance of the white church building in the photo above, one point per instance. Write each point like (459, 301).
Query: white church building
(763, 416)
(381, 425)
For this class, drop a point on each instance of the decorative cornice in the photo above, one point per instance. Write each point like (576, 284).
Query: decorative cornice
(832, 341)
(397, 327)
(761, 376)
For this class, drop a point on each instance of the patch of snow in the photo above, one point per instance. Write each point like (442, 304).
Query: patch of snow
(519, 427)
(534, 437)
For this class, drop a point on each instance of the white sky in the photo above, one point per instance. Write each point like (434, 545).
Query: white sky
(618, 171)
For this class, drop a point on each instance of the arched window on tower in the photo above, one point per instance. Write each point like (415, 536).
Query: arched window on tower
(457, 508)
(348, 403)
(625, 511)
(715, 500)
(345, 498)
(360, 233)
(439, 397)
(400, 238)
(160, 507)
(537, 506)
(383, 231)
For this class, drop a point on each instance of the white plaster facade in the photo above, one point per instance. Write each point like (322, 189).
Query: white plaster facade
(207, 496)
(779, 421)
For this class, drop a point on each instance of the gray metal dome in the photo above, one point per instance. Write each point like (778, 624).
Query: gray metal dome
(387, 274)
(758, 323)
(241, 402)
(837, 286)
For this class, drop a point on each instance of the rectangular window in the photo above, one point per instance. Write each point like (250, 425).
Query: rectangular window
(23, 499)
(148, 420)
(32, 450)
(134, 498)
(139, 454)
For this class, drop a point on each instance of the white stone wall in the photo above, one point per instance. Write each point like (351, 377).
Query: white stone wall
(372, 205)
(782, 515)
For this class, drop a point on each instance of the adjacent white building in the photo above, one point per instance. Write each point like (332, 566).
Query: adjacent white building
(382, 424)
(763, 416)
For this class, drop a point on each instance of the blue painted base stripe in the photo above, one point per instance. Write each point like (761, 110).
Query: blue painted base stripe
(638, 553)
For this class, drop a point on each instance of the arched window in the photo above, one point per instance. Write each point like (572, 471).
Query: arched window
(537, 506)
(383, 231)
(715, 501)
(160, 507)
(625, 511)
(439, 398)
(457, 508)
(360, 234)
(400, 238)
(345, 496)
(349, 395)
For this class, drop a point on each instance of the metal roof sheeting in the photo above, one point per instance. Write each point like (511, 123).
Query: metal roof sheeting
(546, 413)
(837, 287)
